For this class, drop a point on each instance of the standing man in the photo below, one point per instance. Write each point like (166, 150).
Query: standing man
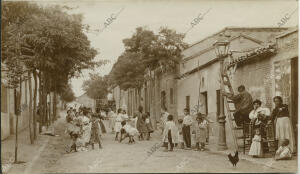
(243, 103)
(186, 128)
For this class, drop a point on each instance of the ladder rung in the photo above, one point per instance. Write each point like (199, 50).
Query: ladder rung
(231, 110)
(230, 101)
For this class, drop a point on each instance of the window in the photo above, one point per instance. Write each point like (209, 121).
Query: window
(187, 102)
(171, 96)
(163, 100)
(204, 102)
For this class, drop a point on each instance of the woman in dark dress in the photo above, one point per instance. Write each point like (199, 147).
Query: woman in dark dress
(141, 124)
(103, 130)
(281, 120)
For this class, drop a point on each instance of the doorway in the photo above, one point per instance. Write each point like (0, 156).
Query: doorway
(294, 96)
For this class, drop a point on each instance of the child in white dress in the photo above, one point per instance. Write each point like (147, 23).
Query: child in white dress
(118, 125)
(170, 134)
(256, 149)
(180, 136)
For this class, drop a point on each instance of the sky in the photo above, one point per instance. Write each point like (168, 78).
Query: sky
(174, 14)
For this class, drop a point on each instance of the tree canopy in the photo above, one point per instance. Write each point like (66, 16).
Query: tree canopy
(146, 50)
(47, 40)
(96, 87)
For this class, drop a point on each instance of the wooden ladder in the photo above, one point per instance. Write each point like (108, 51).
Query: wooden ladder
(237, 132)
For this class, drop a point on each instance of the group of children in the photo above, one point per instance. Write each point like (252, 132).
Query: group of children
(174, 135)
(84, 128)
(125, 126)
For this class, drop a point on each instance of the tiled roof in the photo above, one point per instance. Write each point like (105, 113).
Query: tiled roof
(258, 52)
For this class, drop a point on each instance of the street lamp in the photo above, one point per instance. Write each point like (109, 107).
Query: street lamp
(221, 49)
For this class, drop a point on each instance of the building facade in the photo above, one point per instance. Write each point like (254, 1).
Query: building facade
(198, 84)
(261, 59)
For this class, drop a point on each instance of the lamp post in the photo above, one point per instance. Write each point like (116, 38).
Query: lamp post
(221, 49)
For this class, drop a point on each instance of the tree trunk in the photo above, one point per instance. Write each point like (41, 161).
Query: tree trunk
(30, 109)
(34, 104)
(18, 97)
(44, 94)
(41, 110)
(54, 104)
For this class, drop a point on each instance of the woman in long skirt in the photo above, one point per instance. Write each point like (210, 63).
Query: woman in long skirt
(283, 126)
(141, 125)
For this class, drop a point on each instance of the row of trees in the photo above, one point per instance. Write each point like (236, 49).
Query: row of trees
(146, 50)
(45, 43)
(143, 50)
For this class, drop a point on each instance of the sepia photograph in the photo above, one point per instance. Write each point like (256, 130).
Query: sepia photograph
(149, 86)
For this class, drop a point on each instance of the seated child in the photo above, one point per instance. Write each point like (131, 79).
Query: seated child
(284, 152)
(128, 131)
(256, 146)
(180, 136)
(170, 133)
(200, 130)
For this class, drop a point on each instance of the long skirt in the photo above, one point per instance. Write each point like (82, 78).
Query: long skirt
(95, 136)
(118, 126)
(86, 134)
(284, 131)
(111, 123)
(102, 126)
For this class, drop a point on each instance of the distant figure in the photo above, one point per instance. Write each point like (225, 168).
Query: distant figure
(141, 125)
(111, 116)
(164, 118)
(170, 134)
(243, 103)
(180, 136)
(201, 129)
(128, 131)
(118, 124)
(95, 131)
(124, 115)
(148, 125)
(101, 117)
(186, 128)
(86, 128)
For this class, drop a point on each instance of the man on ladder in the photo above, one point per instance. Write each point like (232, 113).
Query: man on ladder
(243, 103)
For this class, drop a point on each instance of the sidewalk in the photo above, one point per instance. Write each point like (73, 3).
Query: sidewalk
(290, 165)
(27, 152)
